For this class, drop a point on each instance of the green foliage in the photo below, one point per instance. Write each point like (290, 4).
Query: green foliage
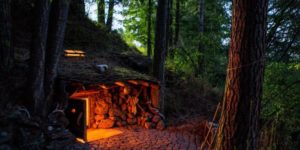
(281, 99)
(283, 30)
(202, 54)
(135, 22)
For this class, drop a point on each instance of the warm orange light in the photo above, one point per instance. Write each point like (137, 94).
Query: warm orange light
(73, 110)
(87, 107)
(125, 90)
(84, 93)
(104, 87)
(133, 82)
(74, 53)
(96, 134)
(144, 83)
(80, 140)
(120, 83)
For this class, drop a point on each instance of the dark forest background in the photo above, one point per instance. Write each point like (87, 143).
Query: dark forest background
(187, 41)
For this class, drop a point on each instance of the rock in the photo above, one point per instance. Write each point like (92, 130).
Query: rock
(111, 112)
(5, 147)
(124, 107)
(131, 121)
(139, 121)
(148, 116)
(156, 119)
(143, 121)
(57, 117)
(99, 117)
(130, 115)
(50, 128)
(21, 54)
(148, 125)
(124, 123)
(123, 116)
(114, 112)
(106, 123)
(4, 137)
(101, 107)
(119, 124)
(77, 146)
(117, 112)
(115, 118)
(94, 126)
(60, 133)
(121, 101)
(160, 125)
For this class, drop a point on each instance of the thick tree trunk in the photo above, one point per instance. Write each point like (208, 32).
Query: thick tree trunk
(177, 22)
(161, 47)
(57, 25)
(101, 11)
(149, 43)
(110, 14)
(238, 126)
(38, 51)
(6, 54)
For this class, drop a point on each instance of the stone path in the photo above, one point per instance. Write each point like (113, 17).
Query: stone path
(148, 139)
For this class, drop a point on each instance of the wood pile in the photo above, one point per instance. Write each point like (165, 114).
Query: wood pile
(123, 106)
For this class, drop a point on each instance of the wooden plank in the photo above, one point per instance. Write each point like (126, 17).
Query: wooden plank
(155, 96)
(84, 93)
(74, 51)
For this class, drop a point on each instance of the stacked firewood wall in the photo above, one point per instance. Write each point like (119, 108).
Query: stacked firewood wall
(123, 106)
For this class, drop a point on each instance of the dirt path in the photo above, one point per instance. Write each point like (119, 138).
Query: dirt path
(145, 139)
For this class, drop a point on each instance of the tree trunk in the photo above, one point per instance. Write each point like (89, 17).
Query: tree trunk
(160, 47)
(170, 29)
(101, 11)
(200, 58)
(201, 16)
(38, 55)
(110, 14)
(177, 22)
(6, 54)
(149, 45)
(238, 126)
(77, 8)
(57, 25)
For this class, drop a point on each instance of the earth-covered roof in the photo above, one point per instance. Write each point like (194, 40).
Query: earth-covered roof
(83, 70)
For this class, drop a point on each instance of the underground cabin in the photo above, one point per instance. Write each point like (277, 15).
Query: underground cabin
(101, 100)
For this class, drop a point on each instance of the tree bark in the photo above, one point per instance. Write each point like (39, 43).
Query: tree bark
(169, 29)
(110, 14)
(38, 51)
(177, 22)
(161, 47)
(201, 16)
(149, 37)
(6, 54)
(57, 25)
(201, 50)
(77, 8)
(101, 11)
(238, 125)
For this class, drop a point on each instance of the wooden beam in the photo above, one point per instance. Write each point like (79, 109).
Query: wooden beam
(84, 93)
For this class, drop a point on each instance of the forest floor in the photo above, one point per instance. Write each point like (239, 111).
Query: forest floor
(182, 137)
(141, 139)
